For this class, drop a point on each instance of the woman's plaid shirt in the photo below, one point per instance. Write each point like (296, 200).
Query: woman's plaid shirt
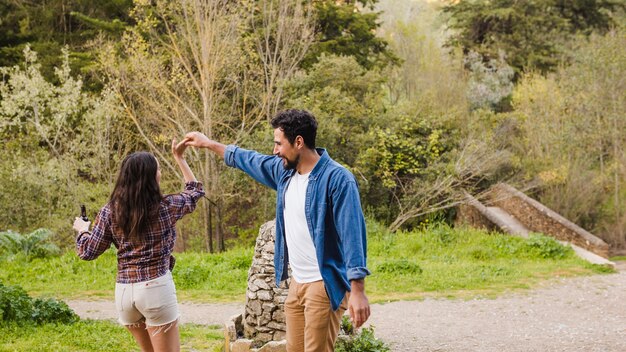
(151, 257)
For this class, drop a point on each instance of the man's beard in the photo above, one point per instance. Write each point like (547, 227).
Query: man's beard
(291, 164)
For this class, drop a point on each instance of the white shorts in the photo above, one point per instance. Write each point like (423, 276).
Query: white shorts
(153, 301)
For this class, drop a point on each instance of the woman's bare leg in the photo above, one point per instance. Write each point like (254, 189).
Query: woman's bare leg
(165, 338)
(142, 336)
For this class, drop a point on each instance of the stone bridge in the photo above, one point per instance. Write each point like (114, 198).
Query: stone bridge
(508, 210)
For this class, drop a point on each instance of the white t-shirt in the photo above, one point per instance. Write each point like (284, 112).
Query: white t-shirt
(302, 258)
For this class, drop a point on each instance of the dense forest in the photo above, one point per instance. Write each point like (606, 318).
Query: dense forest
(421, 100)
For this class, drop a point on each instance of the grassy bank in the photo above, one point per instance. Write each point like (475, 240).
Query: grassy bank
(440, 262)
(463, 263)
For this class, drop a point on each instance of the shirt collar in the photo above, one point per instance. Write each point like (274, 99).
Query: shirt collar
(319, 166)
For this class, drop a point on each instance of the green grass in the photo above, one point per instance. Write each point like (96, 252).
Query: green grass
(463, 263)
(91, 335)
(437, 262)
(199, 277)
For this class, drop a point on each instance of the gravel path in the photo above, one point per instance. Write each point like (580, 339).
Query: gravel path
(576, 314)
(573, 314)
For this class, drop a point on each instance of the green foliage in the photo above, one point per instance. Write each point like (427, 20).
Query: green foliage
(401, 154)
(403, 158)
(344, 97)
(361, 341)
(52, 310)
(547, 247)
(17, 306)
(601, 268)
(33, 245)
(63, 142)
(346, 30)
(50, 26)
(569, 136)
(219, 275)
(532, 34)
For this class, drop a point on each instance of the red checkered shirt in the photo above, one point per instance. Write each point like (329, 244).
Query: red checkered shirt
(150, 257)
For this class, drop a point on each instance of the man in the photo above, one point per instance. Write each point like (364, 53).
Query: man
(320, 229)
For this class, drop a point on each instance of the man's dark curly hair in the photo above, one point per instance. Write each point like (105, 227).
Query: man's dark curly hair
(295, 123)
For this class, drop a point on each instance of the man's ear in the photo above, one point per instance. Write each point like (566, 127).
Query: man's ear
(299, 142)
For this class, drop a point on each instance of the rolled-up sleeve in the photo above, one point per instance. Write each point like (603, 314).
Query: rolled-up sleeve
(350, 225)
(185, 202)
(91, 244)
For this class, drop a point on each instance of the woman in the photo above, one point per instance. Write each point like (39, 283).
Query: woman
(140, 222)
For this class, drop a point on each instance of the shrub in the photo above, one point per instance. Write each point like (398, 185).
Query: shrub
(52, 310)
(17, 306)
(364, 341)
(34, 245)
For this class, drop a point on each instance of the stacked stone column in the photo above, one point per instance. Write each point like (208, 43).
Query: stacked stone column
(262, 324)
(264, 318)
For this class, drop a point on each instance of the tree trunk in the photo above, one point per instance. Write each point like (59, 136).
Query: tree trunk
(209, 228)
(219, 229)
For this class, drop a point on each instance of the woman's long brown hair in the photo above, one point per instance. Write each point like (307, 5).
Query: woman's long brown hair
(136, 194)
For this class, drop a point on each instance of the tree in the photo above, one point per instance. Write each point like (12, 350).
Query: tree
(49, 26)
(345, 28)
(61, 145)
(215, 66)
(532, 34)
(344, 97)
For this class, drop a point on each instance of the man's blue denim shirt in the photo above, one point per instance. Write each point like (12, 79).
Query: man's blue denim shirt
(333, 214)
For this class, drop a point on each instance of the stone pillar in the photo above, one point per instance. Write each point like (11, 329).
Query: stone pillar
(263, 319)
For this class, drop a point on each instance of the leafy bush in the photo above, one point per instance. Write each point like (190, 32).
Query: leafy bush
(52, 310)
(34, 245)
(17, 306)
(363, 341)
(547, 247)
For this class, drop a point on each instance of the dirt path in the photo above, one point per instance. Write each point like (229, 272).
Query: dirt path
(574, 314)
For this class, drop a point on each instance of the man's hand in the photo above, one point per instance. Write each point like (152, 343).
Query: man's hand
(358, 305)
(197, 139)
(81, 225)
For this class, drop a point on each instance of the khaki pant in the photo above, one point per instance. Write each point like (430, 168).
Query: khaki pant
(312, 325)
